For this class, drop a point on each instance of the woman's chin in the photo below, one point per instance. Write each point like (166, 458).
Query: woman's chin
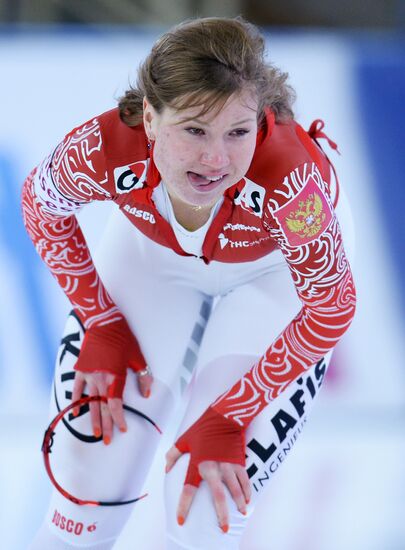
(206, 202)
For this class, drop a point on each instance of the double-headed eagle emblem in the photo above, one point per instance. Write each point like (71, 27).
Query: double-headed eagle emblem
(307, 220)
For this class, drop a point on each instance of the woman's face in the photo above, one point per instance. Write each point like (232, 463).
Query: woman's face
(199, 158)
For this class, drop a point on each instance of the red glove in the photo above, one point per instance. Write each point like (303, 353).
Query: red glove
(111, 348)
(212, 437)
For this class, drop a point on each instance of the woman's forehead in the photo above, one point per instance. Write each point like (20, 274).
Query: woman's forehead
(207, 112)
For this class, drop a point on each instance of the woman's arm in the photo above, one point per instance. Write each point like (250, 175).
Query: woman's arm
(72, 176)
(300, 217)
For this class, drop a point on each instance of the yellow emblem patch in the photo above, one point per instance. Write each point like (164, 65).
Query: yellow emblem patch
(307, 220)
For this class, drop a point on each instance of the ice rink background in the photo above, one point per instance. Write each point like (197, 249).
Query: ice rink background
(344, 485)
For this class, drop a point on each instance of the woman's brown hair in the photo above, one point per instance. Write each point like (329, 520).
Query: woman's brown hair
(201, 63)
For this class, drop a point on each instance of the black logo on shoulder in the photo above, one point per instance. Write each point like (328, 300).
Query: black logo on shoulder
(251, 198)
(130, 177)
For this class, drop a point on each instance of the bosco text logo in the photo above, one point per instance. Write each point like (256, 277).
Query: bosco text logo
(142, 214)
(251, 198)
(130, 177)
(71, 526)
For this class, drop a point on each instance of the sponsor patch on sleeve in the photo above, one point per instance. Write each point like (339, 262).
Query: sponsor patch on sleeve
(251, 198)
(306, 216)
(130, 177)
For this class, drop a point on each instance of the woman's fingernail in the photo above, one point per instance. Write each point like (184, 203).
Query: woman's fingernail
(243, 512)
(97, 432)
(147, 393)
(225, 528)
(123, 429)
(75, 412)
(166, 469)
(107, 440)
(180, 520)
(247, 500)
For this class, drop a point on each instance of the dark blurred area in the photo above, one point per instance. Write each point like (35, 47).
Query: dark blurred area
(368, 14)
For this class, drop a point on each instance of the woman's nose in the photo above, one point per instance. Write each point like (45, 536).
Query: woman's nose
(215, 156)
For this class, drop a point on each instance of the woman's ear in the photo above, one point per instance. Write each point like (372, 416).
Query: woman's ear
(148, 118)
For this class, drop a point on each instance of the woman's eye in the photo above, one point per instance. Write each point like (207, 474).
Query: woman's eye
(239, 132)
(195, 131)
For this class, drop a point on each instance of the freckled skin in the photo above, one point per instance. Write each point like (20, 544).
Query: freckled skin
(211, 146)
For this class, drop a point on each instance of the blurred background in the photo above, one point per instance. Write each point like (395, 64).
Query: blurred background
(62, 62)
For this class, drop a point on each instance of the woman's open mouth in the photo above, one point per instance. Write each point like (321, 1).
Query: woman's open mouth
(203, 183)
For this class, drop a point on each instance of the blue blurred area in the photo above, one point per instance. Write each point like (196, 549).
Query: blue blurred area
(381, 101)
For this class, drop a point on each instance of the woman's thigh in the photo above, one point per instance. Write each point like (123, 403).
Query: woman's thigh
(243, 324)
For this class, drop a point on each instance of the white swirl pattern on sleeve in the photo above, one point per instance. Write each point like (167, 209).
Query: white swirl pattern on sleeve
(72, 176)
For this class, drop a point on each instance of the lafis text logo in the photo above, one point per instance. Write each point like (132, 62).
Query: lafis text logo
(130, 177)
(251, 198)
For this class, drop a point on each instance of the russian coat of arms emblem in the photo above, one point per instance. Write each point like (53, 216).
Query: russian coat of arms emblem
(307, 219)
(306, 216)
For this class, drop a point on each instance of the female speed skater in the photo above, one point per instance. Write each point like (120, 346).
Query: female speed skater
(221, 280)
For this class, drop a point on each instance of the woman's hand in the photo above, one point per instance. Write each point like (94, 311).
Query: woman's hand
(217, 455)
(104, 415)
(106, 353)
(218, 475)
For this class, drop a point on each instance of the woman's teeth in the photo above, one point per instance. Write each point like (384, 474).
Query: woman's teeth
(213, 179)
(209, 178)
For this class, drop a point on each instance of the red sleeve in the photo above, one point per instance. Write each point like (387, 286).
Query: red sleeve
(73, 175)
(300, 217)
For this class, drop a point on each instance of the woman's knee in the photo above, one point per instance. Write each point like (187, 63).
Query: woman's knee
(201, 529)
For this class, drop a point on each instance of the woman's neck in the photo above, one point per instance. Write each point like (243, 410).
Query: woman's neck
(189, 216)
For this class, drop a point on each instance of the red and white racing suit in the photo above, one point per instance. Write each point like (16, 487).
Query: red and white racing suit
(271, 258)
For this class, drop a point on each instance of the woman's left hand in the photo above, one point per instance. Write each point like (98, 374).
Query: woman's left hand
(217, 455)
(218, 475)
